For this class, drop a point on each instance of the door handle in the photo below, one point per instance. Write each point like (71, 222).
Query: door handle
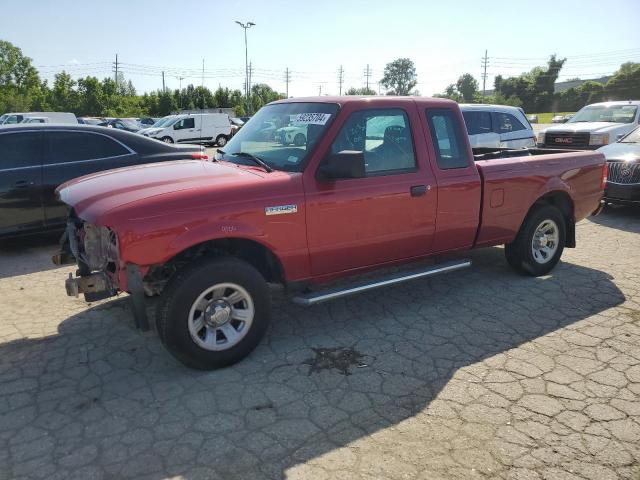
(23, 184)
(419, 190)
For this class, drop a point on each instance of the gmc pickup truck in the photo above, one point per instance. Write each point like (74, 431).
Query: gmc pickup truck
(378, 182)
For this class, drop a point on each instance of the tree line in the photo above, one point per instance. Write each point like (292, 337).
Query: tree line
(534, 91)
(21, 89)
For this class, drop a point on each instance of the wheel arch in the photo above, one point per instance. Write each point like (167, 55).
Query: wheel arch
(563, 202)
(261, 257)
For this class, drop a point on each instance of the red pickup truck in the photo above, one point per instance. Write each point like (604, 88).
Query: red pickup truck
(368, 182)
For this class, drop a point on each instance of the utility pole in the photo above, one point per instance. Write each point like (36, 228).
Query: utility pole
(246, 26)
(287, 79)
(340, 78)
(485, 60)
(367, 74)
(320, 90)
(163, 89)
(116, 79)
(179, 91)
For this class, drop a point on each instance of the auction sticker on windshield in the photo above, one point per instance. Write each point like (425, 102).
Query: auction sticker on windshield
(311, 118)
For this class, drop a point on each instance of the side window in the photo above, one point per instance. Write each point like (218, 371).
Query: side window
(74, 146)
(19, 150)
(507, 123)
(446, 134)
(477, 122)
(383, 135)
(185, 123)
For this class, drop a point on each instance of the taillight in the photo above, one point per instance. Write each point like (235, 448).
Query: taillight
(199, 156)
(605, 173)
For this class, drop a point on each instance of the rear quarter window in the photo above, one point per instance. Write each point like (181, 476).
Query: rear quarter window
(447, 137)
(507, 123)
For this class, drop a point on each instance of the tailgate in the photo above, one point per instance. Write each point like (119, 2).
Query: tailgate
(512, 185)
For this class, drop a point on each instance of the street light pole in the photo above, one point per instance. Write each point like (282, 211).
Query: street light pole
(246, 26)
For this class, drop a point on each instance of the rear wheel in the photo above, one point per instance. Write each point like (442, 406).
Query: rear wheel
(213, 314)
(539, 244)
(221, 140)
(167, 139)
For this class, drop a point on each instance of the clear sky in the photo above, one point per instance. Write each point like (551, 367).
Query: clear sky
(313, 38)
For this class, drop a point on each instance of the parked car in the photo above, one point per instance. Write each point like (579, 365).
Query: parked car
(201, 128)
(236, 124)
(293, 134)
(52, 117)
(493, 126)
(532, 118)
(623, 159)
(558, 119)
(593, 126)
(90, 120)
(379, 182)
(35, 120)
(568, 117)
(121, 124)
(38, 158)
(147, 121)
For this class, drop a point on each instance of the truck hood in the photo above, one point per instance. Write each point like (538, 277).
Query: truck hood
(156, 185)
(590, 127)
(621, 151)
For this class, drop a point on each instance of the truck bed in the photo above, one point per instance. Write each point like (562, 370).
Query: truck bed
(514, 179)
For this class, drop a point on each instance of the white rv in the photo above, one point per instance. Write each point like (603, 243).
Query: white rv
(202, 128)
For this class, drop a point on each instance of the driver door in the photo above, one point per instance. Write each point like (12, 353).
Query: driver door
(387, 215)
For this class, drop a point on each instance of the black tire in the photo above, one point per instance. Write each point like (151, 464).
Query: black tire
(181, 293)
(167, 139)
(221, 140)
(519, 253)
(299, 140)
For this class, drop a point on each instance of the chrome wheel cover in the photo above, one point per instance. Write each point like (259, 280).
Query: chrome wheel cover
(221, 316)
(544, 244)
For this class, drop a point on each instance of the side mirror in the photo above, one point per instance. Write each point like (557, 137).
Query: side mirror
(176, 126)
(344, 164)
(619, 136)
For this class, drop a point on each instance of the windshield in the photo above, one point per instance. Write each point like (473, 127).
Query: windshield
(282, 135)
(163, 122)
(603, 113)
(8, 119)
(633, 137)
(130, 124)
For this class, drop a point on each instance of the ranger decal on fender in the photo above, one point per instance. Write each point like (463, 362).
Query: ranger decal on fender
(280, 209)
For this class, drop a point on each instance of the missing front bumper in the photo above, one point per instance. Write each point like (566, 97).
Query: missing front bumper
(96, 286)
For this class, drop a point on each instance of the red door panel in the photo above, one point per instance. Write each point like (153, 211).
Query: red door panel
(362, 222)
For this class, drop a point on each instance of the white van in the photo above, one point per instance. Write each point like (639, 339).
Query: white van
(203, 128)
(47, 117)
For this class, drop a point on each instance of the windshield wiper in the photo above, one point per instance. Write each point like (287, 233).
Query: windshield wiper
(257, 160)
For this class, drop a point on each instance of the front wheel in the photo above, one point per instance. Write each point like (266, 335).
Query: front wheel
(299, 140)
(221, 140)
(539, 244)
(214, 313)
(167, 139)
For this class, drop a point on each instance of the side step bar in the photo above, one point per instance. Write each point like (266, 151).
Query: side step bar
(331, 294)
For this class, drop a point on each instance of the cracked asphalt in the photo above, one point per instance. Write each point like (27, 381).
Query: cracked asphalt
(477, 374)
